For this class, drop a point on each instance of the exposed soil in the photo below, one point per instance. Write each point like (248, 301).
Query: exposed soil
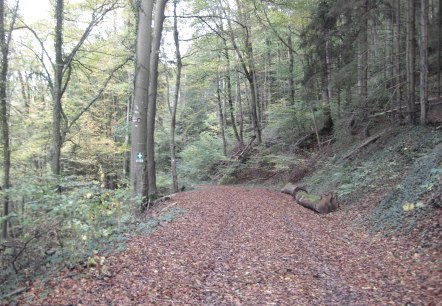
(238, 246)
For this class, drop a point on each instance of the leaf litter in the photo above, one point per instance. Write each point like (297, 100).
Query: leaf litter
(238, 246)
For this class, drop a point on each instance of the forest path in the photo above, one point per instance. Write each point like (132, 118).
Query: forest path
(239, 246)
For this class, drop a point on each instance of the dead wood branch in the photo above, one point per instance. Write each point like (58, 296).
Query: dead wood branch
(15, 292)
(246, 149)
(364, 144)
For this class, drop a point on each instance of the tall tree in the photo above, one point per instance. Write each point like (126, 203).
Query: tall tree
(363, 56)
(397, 53)
(57, 91)
(424, 60)
(63, 67)
(247, 61)
(173, 107)
(5, 40)
(145, 97)
(411, 60)
(139, 111)
(152, 100)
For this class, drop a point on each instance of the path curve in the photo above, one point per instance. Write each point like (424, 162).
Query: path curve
(239, 246)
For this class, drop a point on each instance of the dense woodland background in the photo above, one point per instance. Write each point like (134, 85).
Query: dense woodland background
(242, 91)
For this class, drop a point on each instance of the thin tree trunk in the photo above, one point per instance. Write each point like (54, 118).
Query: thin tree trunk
(5, 41)
(229, 93)
(397, 55)
(363, 58)
(175, 101)
(326, 85)
(4, 115)
(439, 51)
(57, 90)
(126, 162)
(139, 111)
(291, 70)
(248, 67)
(240, 109)
(424, 61)
(220, 113)
(152, 101)
(411, 59)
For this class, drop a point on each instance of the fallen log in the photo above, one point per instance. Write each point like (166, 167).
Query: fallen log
(292, 189)
(320, 204)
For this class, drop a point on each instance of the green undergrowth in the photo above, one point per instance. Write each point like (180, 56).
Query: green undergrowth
(403, 167)
(61, 223)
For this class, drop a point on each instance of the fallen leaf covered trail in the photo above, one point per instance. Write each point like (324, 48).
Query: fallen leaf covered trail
(238, 246)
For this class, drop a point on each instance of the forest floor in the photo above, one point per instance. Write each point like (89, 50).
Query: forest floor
(246, 246)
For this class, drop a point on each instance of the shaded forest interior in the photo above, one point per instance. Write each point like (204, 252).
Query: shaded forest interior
(109, 105)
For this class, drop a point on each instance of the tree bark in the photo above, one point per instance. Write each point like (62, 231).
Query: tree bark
(57, 89)
(139, 111)
(4, 115)
(248, 67)
(229, 93)
(411, 59)
(173, 109)
(240, 108)
(439, 51)
(152, 101)
(220, 113)
(291, 70)
(363, 57)
(397, 54)
(424, 61)
(5, 39)
(126, 159)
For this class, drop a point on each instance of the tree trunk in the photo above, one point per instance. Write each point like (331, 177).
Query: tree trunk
(397, 54)
(139, 111)
(326, 85)
(4, 116)
(439, 51)
(291, 70)
(363, 57)
(173, 109)
(5, 40)
(57, 89)
(240, 109)
(152, 101)
(220, 113)
(126, 160)
(248, 67)
(424, 61)
(229, 93)
(411, 58)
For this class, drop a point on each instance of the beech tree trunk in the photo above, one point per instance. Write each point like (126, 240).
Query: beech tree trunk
(139, 111)
(4, 115)
(220, 113)
(152, 101)
(240, 108)
(424, 61)
(57, 89)
(5, 40)
(229, 93)
(173, 109)
(126, 159)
